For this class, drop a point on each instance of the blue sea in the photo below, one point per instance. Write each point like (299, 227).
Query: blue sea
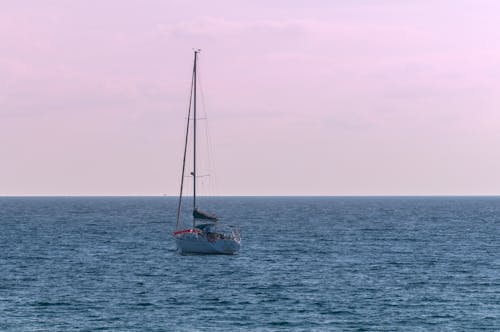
(306, 264)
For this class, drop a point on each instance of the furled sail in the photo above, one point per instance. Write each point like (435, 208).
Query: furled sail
(198, 214)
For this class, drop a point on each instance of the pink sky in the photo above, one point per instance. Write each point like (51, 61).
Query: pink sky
(303, 97)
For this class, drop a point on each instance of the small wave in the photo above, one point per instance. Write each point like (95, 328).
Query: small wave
(50, 304)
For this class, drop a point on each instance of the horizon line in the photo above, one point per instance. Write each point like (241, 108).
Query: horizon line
(268, 195)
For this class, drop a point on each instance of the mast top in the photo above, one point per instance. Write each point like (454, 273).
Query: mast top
(197, 50)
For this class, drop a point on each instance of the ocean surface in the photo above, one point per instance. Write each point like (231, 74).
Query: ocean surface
(306, 264)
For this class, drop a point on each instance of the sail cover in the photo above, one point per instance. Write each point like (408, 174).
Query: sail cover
(198, 214)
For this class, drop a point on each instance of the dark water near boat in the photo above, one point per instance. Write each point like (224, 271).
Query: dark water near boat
(86, 264)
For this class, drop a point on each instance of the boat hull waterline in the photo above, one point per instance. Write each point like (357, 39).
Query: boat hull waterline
(194, 243)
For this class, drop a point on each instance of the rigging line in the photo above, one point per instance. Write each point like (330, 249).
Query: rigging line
(210, 153)
(203, 115)
(211, 160)
(211, 165)
(184, 157)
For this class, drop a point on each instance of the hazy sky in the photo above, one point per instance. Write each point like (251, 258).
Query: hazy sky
(336, 97)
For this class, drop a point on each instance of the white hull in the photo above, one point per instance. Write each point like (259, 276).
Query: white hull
(191, 243)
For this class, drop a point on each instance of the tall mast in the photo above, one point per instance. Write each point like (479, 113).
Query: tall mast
(194, 133)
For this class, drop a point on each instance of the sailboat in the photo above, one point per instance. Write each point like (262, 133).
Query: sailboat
(207, 235)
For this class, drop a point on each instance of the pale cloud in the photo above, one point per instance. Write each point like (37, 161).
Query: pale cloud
(217, 26)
